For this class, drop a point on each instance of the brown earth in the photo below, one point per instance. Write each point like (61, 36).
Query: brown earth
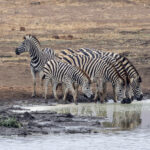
(121, 26)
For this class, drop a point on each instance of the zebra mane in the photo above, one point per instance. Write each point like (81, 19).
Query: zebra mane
(29, 36)
(85, 74)
(133, 67)
(127, 78)
(119, 75)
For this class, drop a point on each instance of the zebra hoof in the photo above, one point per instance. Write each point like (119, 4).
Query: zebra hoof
(123, 101)
(33, 96)
(140, 98)
(132, 98)
(128, 101)
(106, 100)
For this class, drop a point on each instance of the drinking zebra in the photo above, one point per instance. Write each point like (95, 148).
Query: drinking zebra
(59, 72)
(38, 56)
(100, 72)
(133, 75)
(118, 66)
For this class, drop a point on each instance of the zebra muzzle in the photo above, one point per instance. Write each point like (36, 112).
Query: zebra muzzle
(17, 52)
(140, 98)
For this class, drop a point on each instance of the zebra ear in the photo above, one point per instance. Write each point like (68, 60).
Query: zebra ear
(140, 79)
(43, 77)
(24, 37)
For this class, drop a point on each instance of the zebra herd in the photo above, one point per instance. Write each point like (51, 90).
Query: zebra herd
(82, 67)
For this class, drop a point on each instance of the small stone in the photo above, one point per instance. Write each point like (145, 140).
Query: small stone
(55, 37)
(70, 37)
(35, 3)
(22, 29)
(28, 116)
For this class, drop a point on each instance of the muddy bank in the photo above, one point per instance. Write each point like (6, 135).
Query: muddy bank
(16, 118)
(30, 123)
(45, 123)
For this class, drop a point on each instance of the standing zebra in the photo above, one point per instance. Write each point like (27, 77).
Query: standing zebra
(60, 72)
(133, 75)
(118, 66)
(38, 56)
(97, 70)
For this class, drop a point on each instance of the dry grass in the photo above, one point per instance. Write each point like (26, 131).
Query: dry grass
(121, 26)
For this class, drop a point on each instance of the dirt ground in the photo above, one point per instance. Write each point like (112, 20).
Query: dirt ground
(121, 26)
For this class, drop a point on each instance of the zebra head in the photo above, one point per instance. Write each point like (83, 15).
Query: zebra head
(120, 89)
(136, 88)
(25, 46)
(86, 88)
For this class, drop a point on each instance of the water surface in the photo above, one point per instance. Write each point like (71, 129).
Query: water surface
(123, 127)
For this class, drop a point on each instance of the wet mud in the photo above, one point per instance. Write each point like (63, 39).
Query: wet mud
(27, 122)
(48, 122)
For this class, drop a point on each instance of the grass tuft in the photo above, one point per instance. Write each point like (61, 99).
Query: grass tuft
(10, 123)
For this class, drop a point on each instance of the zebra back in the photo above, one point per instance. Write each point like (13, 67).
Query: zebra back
(92, 54)
(62, 70)
(130, 69)
(91, 66)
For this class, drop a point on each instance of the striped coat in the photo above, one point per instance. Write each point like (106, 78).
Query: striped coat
(60, 72)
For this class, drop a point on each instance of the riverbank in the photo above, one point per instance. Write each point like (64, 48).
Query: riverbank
(33, 119)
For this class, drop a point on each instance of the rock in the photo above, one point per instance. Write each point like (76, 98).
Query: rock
(22, 29)
(55, 37)
(35, 3)
(70, 37)
(69, 115)
(28, 116)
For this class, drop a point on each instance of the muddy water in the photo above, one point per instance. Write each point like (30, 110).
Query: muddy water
(123, 127)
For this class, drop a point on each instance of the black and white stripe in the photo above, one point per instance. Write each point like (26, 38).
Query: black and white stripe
(60, 72)
(122, 64)
(98, 69)
(38, 56)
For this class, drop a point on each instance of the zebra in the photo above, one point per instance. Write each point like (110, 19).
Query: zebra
(38, 56)
(118, 66)
(98, 70)
(67, 74)
(134, 78)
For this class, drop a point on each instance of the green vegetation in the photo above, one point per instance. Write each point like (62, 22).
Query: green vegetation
(10, 123)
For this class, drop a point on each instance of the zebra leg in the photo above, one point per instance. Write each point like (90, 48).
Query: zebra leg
(101, 93)
(97, 90)
(41, 74)
(96, 94)
(55, 90)
(129, 93)
(101, 90)
(46, 88)
(104, 91)
(66, 90)
(114, 93)
(76, 87)
(34, 82)
(74, 93)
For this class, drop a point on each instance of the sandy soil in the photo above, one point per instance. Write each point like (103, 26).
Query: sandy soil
(115, 25)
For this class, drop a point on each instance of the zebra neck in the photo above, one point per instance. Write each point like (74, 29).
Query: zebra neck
(77, 77)
(34, 52)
